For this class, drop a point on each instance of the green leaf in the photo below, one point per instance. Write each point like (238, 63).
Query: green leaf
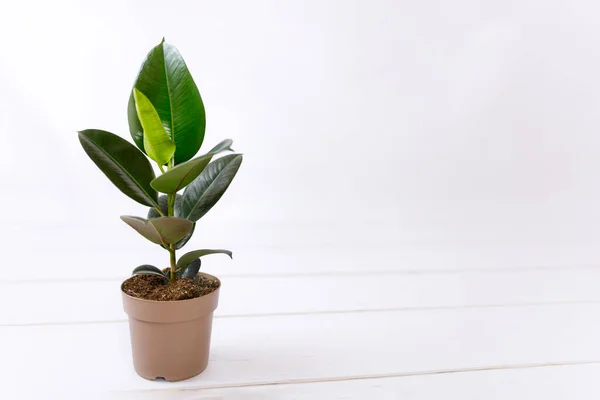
(163, 203)
(192, 255)
(149, 270)
(179, 177)
(157, 143)
(162, 230)
(190, 270)
(122, 163)
(206, 190)
(186, 238)
(165, 80)
(224, 145)
(146, 267)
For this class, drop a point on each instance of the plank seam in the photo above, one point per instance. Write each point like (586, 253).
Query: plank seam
(332, 312)
(374, 376)
(521, 269)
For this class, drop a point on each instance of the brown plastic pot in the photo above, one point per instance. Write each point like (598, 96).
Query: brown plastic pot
(170, 339)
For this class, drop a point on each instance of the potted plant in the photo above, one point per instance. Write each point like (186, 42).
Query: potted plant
(170, 309)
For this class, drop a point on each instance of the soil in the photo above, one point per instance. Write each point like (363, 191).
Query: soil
(149, 287)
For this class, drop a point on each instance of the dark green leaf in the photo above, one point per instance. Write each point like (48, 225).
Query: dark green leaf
(122, 163)
(179, 177)
(165, 80)
(206, 190)
(192, 255)
(149, 270)
(146, 267)
(190, 270)
(222, 146)
(163, 230)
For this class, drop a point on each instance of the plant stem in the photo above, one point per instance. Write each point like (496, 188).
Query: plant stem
(173, 263)
(170, 213)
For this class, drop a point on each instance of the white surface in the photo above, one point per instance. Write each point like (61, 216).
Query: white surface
(264, 295)
(305, 348)
(427, 168)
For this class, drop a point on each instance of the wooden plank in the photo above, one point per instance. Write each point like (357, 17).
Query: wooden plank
(548, 383)
(78, 253)
(69, 302)
(304, 348)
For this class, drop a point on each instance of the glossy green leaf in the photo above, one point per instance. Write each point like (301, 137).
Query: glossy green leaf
(192, 255)
(150, 270)
(186, 238)
(157, 143)
(224, 145)
(163, 203)
(190, 270)
(179, 177)
(206, 190)
(172, 229)
(126, 167)
(165, 80)
(146, 267)
(163, 230)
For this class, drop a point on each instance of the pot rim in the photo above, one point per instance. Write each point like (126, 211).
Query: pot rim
(173, 301)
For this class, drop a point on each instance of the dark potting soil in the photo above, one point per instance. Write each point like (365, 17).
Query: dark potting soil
(149, 287)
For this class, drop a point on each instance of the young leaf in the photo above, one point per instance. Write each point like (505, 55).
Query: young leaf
(126, 167)
(206, 190)
(166, 81)
(157, 143)
(179, 177)
(190, 270)
(192, 255)
(163, 230)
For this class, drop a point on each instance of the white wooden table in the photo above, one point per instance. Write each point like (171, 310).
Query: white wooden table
(410, 321)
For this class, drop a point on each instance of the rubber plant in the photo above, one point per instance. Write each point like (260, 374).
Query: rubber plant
(167, 123)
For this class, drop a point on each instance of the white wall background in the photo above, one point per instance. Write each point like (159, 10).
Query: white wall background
(391, 124)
